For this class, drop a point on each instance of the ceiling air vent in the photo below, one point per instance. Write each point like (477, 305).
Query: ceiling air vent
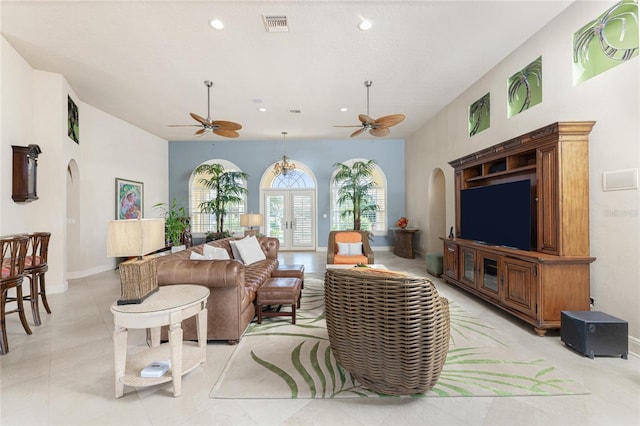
(275, 23)
(295, 111)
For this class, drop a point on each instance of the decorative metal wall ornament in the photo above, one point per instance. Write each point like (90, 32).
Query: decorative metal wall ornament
(525, 88)
(479, 115)
(606, 42)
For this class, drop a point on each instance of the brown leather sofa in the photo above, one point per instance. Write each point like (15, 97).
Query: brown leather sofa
(232, 284)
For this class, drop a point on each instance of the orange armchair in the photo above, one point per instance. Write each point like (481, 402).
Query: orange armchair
(349, 247)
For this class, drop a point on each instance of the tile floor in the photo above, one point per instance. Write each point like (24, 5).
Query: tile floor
(63, 375)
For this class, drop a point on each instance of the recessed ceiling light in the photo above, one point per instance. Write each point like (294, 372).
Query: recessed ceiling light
(262, 109)
(217, 24)
(365, 24)
(344, 109)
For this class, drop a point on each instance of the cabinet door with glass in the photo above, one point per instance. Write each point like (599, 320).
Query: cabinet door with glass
(489, 274)
(468, 267)
(451, 260)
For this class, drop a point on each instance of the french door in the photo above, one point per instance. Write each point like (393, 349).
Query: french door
(290, 217)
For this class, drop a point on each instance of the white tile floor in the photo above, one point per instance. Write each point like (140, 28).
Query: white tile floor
(63, 375)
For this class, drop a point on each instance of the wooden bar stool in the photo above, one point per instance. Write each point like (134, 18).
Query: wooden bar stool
(35, 266)
(13, 250)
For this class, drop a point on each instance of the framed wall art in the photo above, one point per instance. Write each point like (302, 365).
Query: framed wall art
(609, 40)
(524, 88)
(480, 115)
(129, 199)
(73, 125)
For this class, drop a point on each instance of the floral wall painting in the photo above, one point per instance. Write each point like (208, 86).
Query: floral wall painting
(525, 88)
(72, 120)
(479, 115)
(129, 199)
(609, 40)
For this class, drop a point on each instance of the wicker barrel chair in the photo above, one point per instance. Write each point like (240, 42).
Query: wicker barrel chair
(389, 330)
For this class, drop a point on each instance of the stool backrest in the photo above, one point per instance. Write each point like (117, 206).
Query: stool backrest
(13, 249)
(38, 250)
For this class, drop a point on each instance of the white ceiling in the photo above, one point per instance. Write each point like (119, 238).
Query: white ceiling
(145, 61)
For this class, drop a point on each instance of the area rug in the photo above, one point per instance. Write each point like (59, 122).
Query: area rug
(278, 360)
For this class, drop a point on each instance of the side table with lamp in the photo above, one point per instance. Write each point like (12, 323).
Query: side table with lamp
(136, 237)
(251, 220)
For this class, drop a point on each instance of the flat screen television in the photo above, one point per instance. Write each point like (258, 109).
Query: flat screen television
(497, 214)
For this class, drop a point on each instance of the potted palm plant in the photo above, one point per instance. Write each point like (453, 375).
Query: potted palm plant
(354, 193)
(228, 189)
(176, 221)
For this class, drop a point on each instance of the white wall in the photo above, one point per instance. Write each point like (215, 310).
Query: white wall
(611, 99)
(34, 110)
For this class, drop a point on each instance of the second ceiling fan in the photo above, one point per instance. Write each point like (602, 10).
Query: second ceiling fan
(379, 127)
(228, 129)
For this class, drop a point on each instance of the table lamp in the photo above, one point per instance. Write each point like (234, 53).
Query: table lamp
(136, 237)
(250, 220)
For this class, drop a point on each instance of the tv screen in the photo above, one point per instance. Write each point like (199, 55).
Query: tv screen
(497, 214)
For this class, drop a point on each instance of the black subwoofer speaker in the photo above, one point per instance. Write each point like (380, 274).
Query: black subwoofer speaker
(594, 333)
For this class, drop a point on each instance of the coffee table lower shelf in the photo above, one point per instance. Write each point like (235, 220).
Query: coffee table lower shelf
(192, 356)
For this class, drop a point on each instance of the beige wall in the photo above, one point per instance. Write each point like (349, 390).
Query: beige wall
(34, 110)
(611, 99)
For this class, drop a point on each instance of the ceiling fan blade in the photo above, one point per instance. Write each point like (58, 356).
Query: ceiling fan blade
(366, 119)
(200, 132)
(390, 120)
(357, 132)
(183, 125)
(379, 132)
(226, 125)
(198, 118)
(359, 125)
(226, 133)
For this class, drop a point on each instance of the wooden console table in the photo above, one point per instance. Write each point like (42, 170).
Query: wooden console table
(404, 242)
(168, 306)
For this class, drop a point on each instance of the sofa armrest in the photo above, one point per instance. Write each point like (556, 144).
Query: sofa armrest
(270, 246)
(209, 273)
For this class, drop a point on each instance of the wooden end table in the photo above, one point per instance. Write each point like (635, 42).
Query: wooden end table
(168, 306)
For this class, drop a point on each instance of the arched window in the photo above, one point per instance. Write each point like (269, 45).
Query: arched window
(374, 221)
(198, 193)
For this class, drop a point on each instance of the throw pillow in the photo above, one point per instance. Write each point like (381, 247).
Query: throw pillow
(234, 251)
(343, 249)
(197, 256)
(355, 249)
(215, 253)
(250, 250)
(349, 249)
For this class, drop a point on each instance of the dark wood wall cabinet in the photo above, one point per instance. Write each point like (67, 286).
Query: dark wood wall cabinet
(534, 285)
(25, 172)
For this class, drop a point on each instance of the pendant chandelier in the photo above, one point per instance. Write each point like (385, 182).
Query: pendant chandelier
(284, 166)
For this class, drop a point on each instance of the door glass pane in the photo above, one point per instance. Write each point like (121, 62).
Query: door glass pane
(274, 215)
(302, 224)
(490, 274)
(469, 266)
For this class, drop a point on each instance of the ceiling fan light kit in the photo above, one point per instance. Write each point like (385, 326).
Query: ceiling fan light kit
(379, 127)
(227, 129)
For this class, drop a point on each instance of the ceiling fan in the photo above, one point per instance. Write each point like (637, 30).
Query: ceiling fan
(379, 127)
(228, 129)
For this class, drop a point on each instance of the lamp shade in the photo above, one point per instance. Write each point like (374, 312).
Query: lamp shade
(134, 237)
(252, 219)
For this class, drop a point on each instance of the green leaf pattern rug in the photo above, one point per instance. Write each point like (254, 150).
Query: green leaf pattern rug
(279, 360)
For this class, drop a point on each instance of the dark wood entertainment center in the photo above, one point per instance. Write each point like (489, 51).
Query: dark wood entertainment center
(534, 285)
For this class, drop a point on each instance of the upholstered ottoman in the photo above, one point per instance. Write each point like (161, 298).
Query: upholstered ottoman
(289, 271)
(279, 291)
(434, 264)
